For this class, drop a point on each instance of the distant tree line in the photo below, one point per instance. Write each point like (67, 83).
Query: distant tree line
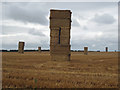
(24, 50)
(45, 50)
(82, 51)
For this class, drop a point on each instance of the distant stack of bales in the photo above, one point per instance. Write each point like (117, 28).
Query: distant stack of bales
(85, 50)
(21, 47)
(39, 49)
(106, 49)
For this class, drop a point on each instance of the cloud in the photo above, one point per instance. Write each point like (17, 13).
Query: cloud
(7, 30)
(93, 44)
(94, 39)
(104, 19)
(31, 41)
(29, 22)
(36, 32)
(25, 13)
(85, 28)
(75, 22)
(81, 6)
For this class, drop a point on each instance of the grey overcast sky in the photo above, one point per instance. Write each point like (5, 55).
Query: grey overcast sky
(94, 24)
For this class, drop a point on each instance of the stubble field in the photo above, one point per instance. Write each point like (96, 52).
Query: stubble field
(36, 70)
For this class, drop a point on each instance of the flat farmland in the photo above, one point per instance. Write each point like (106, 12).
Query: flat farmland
(36, 70)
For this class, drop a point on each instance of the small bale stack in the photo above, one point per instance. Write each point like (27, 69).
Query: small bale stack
(60, 25)
(39, 49)
(85, 50)
(106, 49)
(21, 47)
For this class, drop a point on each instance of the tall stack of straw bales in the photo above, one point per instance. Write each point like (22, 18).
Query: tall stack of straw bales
(60, 25)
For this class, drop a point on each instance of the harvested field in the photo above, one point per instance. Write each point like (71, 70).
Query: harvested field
(33, 69)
